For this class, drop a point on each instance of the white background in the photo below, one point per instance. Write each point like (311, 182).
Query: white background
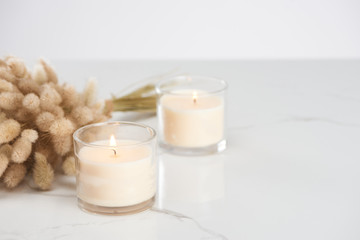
(183, 29)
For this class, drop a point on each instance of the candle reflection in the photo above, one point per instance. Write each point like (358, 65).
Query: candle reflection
(191, 180)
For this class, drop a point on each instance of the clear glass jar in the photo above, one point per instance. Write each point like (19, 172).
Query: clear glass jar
(191, 115)
(116, 167)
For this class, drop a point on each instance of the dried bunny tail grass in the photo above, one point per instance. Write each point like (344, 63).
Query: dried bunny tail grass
(51, 75)
(6, 86)
(89, 94)
(2, 117)
(2, 64)
(101, 105)
(68, 166)
(9, 130)
(23, 145)
(17, 66)
(55, 160)
(98, 107)
(61, 127)
(101, 118)
(43, 174)
(31, 102)
(39, 75)
(14, 174)
(23, 115)
(44, 146)
(21, 150)
(49, 94)
(108, 107)
(28, 86)
(82, 115)
(89, 136)
(54, 109)
(70, 96)
(28, 75)
(58, 111)
(4, 162)
(58, 87)
(30, 134)
(5, 155)
(6, 149)
(62, 145)
(10, 100)
(5, 73)
(49, 113)
(101, 111)
(44, 121)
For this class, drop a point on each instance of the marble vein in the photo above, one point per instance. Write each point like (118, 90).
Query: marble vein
(55, 230)
(182, 217)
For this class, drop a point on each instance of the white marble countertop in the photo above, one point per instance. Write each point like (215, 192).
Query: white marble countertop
(291, 170)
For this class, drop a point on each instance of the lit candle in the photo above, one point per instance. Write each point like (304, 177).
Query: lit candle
(191, 113)
(116, 173)
(112, 143)
(195, 121)
(195, 96)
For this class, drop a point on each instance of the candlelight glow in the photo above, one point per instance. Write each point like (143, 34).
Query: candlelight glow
(112, 141)
(195, 97)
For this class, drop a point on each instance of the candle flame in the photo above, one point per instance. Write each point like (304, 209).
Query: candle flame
(195, 97)
(112, 141)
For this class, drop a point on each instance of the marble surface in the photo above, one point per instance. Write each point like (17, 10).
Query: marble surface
(291, 169)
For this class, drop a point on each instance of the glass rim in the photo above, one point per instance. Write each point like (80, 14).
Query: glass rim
(160, 90)
(82, 129)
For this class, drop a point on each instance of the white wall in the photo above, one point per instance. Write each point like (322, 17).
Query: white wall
(182, 29)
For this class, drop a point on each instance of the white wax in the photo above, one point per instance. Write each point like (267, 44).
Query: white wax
(189, 123)
(110, 180)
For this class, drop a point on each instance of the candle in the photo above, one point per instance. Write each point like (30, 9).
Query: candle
(119, 179)
(195, 120)
(191, 113)
(116, 175)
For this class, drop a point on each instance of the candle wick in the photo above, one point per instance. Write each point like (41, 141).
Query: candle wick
(114, 152)
(194, 100)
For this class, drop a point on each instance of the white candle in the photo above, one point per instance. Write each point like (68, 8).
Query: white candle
(117, 176)
(191, 118)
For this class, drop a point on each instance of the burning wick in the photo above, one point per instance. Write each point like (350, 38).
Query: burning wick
(195, 97)
(113, 143)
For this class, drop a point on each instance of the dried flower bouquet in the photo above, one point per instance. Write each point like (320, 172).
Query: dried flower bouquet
(38, 117)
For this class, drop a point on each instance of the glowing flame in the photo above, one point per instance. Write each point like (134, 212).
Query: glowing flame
(195, 97)
(112, 141)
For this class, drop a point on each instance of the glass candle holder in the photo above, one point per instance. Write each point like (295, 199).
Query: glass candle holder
(115, 167)
(191, 115)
